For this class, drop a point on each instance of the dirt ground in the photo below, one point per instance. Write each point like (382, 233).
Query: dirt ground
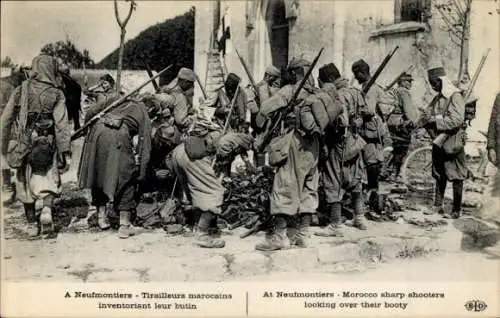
(413, 242)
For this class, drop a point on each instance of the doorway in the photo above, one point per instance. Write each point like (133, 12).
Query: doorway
(278, 28)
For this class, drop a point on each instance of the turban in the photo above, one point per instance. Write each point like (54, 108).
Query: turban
(298, 62)
(360, 66)
(186, 74)
(108, 78)
(328, 73)
(271, 70)
(232, 80)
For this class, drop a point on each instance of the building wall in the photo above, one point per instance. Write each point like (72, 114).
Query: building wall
(346, 30)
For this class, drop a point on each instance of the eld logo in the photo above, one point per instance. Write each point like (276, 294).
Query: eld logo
(475, 305)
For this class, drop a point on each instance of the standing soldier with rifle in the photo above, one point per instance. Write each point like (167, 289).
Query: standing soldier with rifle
(373, 130)
(262, 91)
(295, 152)
(446, 114)
(226, 94)
(376, 98)
(344, 169)
(401, 121)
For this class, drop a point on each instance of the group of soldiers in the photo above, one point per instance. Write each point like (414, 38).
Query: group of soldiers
(334, 132)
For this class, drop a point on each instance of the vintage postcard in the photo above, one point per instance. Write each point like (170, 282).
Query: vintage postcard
(250, 158)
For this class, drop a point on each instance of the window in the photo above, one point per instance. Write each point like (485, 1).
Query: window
(411, 10)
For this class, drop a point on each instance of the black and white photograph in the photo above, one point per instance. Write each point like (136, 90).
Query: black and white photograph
(247, 141)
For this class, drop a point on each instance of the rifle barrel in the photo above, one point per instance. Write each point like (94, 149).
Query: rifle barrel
(476, 74)
(150, 74)
(378, 71)
(408, 70)
(250, 77)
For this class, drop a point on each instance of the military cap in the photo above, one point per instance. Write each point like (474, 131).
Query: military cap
(435, 68)
(195, 147)
(328, 73)
(272, 70)
(360, 66)
(186, 74)
(232, 80)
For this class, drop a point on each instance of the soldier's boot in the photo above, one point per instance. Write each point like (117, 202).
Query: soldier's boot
(32, 228)
(126, 229)
(360, 221)
(458, 186)
(302, 234)
(277, 238)
(334, 228)
(9, 187)
(203, 236)
(46, 221)
(102, 218)
(438, 206)
(214, 229)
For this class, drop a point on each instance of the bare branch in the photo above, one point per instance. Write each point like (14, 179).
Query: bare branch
(132, 7)
(447, 22)
(456, 40)
(448, 19)
(117, 14)
(459, 9)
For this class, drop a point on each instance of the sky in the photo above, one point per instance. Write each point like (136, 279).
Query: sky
(26, 26)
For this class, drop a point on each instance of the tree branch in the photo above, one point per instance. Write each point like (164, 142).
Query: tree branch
(456, 40)
(460, 10)
(117, 14)
(448, 19)
(132, 5)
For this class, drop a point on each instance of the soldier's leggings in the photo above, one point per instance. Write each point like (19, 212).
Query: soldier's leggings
(373, 174)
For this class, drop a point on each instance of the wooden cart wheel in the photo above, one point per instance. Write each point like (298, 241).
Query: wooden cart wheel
(416, 170)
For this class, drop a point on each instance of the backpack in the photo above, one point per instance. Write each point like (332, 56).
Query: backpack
(21, 142)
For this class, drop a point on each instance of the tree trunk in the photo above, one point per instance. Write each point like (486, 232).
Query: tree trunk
(120, 60)
(463, 73)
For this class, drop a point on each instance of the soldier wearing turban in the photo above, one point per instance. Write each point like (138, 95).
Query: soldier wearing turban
(446, 114)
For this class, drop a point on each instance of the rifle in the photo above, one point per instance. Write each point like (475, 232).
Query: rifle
(78, 133)
(379, 70)
(201, 86)
(260, 225)
(266, 139)
(439, 140)
(150, 74)
(476, 75)
(228, 118)
(250, 78)
(408, 70)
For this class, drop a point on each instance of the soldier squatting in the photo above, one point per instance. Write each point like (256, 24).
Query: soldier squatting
(333, 132)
